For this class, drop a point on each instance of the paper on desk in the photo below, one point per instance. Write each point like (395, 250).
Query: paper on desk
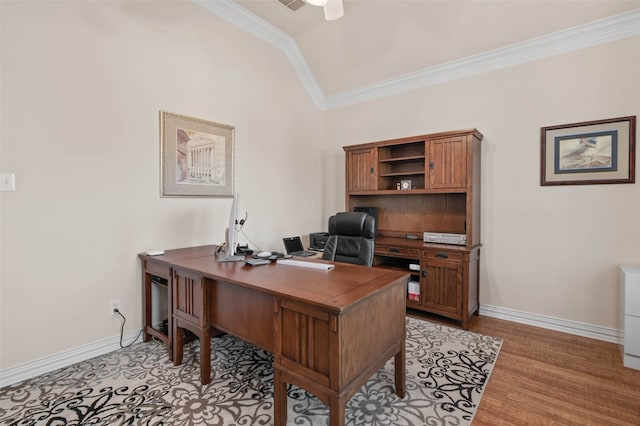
(313, 265)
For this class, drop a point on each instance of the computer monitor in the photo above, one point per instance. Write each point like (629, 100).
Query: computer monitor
(231, 236)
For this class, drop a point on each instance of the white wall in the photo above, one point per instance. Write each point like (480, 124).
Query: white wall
(551, 251)
(82, 86)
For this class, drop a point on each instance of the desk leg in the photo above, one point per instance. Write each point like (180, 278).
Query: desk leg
(204, 335)
(178, 343)
(205, 356)
(400, 371)
(146, 305)
(337, 411)
(279, 399)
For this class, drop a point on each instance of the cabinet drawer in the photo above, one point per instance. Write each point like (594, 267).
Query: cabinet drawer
(397, 251)
(630, 280)
(442, 255)
(632, 335)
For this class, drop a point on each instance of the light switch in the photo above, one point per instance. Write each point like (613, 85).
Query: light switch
(7, 181)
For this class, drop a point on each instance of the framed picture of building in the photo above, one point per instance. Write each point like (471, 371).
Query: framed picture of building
(587, 153)
(196, 157)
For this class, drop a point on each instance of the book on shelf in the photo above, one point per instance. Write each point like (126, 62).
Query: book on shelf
(413, 290)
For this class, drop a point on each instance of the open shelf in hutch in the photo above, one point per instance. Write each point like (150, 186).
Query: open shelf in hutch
(403, 161)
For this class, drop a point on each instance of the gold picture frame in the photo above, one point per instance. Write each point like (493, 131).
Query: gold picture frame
(588, 153)
(197, 157)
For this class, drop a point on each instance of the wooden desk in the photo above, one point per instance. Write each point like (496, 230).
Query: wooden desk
(329, 331)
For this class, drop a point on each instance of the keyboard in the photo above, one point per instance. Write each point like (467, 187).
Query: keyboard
(304, 264)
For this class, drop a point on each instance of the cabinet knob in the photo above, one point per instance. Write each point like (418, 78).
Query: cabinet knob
(424, 273)
(430, 165)
(394, 250)
(442, 255)
(371, 170)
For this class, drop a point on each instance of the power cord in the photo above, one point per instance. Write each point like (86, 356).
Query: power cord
(249, 239)
(239, 228)
(124, 320)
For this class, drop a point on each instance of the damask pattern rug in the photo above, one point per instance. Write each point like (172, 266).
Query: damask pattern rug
(447, 370)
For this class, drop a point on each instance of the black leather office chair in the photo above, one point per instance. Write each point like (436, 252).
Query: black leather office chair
(351, 238)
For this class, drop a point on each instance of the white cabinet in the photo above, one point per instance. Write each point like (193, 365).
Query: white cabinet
(630, 314)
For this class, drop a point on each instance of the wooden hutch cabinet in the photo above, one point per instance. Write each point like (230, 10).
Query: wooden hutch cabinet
(424, 183)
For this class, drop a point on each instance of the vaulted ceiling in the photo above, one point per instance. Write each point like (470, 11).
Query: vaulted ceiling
(378, 43)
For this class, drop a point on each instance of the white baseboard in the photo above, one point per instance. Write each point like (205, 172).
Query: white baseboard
(558, 324)
(63, 359)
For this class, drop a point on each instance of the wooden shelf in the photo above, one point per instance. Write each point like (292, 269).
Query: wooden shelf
(407, 191)
(416, 173)
(400, 159)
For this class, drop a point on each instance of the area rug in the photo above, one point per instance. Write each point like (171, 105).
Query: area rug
(447, 370)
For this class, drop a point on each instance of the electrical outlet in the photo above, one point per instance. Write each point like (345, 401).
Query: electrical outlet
(7, 181)
(113, 305)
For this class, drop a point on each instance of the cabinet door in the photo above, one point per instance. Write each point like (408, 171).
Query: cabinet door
(189, 293)
(441, 286)
(448, 163)
(360, 171)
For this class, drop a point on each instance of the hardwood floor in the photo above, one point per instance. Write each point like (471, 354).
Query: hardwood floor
(544, 377)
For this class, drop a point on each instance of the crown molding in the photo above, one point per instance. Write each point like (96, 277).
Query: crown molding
(594, 33)
(591, 34)
(241, 17)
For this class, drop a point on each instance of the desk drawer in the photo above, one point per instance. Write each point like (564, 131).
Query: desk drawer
(442, 255)
(396, 251)
(157, 268)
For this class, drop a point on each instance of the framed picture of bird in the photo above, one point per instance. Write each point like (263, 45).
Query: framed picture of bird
(588, 153)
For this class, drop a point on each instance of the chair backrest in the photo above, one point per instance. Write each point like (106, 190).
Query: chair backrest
(351, 238)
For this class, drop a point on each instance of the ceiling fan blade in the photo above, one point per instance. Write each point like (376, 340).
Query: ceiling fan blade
(333, 10)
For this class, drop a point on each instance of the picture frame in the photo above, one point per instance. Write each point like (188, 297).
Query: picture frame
(197, 157)
(588, 153)
(405, 184)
